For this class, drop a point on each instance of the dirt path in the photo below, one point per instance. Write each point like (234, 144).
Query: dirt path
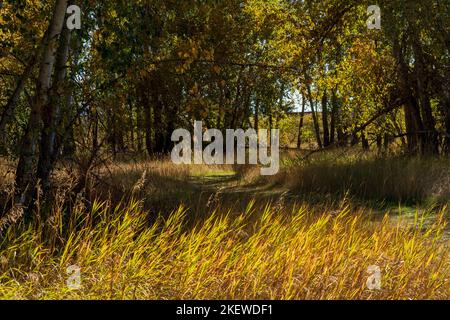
(230, 187)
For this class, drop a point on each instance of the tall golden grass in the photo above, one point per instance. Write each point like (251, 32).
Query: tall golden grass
(261, 251)
(397, 179)
(269, 254)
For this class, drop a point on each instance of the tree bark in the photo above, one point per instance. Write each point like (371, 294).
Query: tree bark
(429, 134)
(334, 116)
(300, 126)
(364, 141)
(257, 115)
(145, 103)
(413, 119)
(326, 131)
(158, 124)
(25, 173)
(444, 105)
(315, 121)
(132, 139)
(52, 111)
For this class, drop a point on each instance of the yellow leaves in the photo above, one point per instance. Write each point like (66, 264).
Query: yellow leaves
(194, 51)
(189, 50)
(182, 54)
(208, 54)
(181, 69)
(204, 113)
(188, 53)
(198, 107)
(194, 90)
(216, 69)
(142, 73)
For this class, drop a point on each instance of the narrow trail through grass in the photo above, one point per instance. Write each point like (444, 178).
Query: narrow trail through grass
(229, 186)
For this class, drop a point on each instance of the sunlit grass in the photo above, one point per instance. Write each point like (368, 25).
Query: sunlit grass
(214, 248)
(268, 254)
(368, 177)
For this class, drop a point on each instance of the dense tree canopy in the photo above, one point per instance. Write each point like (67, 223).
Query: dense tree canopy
(137, 70)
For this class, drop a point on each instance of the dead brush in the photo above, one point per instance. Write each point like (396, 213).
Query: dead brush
(214, 198)
(140, 184)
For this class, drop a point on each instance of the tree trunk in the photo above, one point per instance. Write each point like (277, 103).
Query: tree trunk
(334, 116)
(95, 144)
(68, 142)
(300, 126)
(111, 134)
(379, 141)
(220, 108)
(445, 109)
(140, 124)
(364, 141)
(257, 115)
(51, 111)
(326, 131)
(236, 103)
(25, 173)
(158, 123)
(315, 121)
(66, 138)
(147, 120)
(429, 134)
(386, 143)
(413, 120)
